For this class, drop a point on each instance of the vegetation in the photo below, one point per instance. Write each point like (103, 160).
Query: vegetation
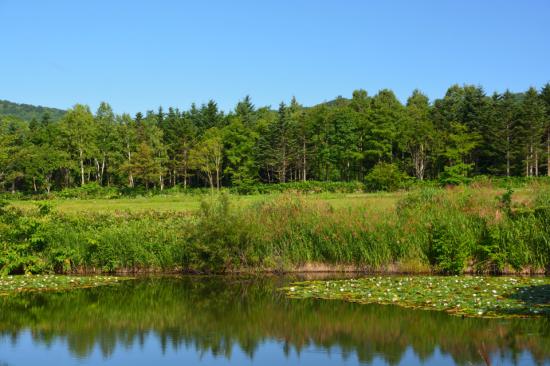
(13, 284)
(469, 296)
(454, 230)
(29, 112)
(375, 141)
(219, 315)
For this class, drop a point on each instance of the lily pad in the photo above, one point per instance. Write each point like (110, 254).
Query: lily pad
(14, 284)
(475, 296)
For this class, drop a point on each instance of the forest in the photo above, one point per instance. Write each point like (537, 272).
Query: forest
(465, 133)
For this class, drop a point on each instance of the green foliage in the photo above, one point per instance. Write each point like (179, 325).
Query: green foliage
(17, 284)
(220, 240)
(222, 315)
(431, 229)
(385, 177)
(90, 190)
(454, 139)
(502, 297)
(28, 112)
(309, 186)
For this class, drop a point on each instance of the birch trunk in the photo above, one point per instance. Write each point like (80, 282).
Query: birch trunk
(81, 154)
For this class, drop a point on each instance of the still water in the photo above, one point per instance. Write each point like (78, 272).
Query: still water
(246, 321)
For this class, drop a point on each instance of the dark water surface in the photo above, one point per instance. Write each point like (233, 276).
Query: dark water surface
(246, 321)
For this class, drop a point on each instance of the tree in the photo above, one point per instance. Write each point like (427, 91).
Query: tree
(239, 143)
(207, 156)
(107, 142)
(246, 112)
(386, 115)
(280, 137)
(301, 131)
(531, 130)
(129, 138)
(460, 143)
(144, 166)
(14, 150)
(80, 133)
(545, 96)
(501, 130)
(417, 132)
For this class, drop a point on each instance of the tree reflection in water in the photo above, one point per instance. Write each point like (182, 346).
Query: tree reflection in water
(216, 314)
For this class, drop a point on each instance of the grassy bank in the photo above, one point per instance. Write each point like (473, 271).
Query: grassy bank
(468, 229)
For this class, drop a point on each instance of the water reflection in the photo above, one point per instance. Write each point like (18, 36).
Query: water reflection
(222, 320)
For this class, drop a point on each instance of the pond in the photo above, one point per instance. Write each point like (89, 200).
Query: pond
(247, 321)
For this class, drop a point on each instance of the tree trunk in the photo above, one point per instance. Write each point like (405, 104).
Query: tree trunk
(47, 184)
(81, 154)
(102, 170)
(130, 176)
(508, 150)
(185, 177)
(536, 163)
(211, 181)
(304, 167)
(34, 184)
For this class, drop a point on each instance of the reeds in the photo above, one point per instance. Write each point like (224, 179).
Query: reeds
(439, 230)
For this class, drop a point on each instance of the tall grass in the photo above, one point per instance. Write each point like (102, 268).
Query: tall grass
(430, 229)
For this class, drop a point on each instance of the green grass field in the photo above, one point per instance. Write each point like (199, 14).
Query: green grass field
(191, 203)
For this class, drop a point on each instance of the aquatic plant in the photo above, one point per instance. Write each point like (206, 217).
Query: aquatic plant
(10, 285)
(458, 295)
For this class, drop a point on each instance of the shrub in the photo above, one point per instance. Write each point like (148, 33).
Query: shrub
(385, 177)
(90, 190)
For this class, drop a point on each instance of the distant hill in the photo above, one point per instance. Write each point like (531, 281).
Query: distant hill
(27, 111)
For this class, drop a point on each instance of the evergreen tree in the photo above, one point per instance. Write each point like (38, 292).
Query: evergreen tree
(531, 131)
(545, 96)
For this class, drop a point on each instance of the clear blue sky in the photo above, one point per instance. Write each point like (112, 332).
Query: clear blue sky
(138, 55)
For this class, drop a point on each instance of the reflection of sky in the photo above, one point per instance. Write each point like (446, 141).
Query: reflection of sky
(27, 352)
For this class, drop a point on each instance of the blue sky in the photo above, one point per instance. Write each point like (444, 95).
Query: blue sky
(138, 55)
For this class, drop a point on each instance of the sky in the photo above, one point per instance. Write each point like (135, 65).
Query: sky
(138, 55)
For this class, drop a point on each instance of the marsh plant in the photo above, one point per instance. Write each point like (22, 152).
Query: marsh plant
(431, 229)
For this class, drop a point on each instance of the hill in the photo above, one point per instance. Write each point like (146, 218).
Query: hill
(27, 111)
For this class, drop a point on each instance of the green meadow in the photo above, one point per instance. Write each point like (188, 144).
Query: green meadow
(383, 201)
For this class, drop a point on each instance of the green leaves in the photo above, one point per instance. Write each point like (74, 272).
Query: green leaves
(467, 296)
(13, 284)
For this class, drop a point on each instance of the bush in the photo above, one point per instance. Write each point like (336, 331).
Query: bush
(220, 240)
(90, 190)
(455, 175)
(385, 177)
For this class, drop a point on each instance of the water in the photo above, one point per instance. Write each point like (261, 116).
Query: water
(246, 321)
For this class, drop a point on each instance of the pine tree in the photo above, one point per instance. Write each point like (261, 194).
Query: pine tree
(531, 130)
(545, 96)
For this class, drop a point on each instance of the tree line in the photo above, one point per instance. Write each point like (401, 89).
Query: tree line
(463, 134)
